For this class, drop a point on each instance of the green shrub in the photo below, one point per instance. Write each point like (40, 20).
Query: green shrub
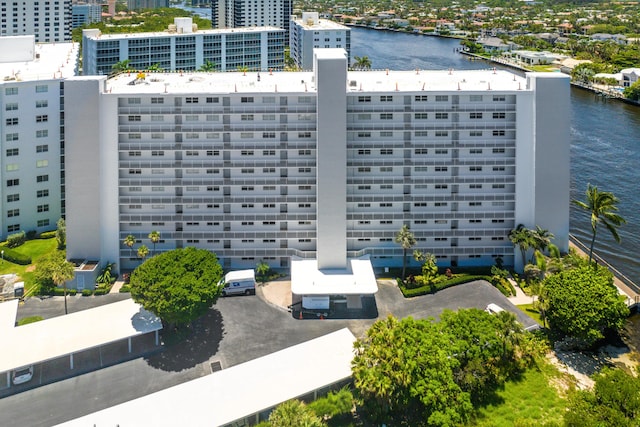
(334, 404)
(16, 257)
(30, 319)
(16, 239)
(87, 292)
(47, 235)
(440, 285)
(101, 291)
(60, 292)
(125, 289)
(32, 234)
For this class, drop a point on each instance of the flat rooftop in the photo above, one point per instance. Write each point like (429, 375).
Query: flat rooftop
(50, 61)
(63, 335)
(357, 279)
(320, 24)
(303, 81)
(240, 391)
(156, 34)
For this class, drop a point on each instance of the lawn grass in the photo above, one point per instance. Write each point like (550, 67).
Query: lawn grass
(530, 400)
(35, 249)
(532, 312)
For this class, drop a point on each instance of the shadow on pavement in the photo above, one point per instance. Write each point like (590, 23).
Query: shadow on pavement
(200, 343)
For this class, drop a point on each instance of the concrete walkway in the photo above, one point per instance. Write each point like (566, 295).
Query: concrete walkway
(277, 293)
(115, 289)
(521, 297)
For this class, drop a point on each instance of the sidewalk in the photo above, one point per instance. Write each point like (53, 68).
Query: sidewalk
(521, 297)
(277, 293)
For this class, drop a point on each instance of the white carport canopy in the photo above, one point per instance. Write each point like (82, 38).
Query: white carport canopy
(357, 279)
(240, 391)
(65, 335)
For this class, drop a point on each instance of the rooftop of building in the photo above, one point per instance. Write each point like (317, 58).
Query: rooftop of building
(24, 60)
(303, 81)
(315, 23)
(100, 36)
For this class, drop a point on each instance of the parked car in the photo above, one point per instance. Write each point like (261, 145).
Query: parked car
(493, 308)
(23, 375)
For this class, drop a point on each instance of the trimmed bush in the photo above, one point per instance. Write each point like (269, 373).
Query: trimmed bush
(16, 239)
(58, 292)
(427, 289)
(87, 292)
(125, 289)
(47, 235)
(16, 257)
(101, 291)
(32, 234)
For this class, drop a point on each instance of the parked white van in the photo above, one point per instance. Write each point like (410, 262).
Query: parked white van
(241, 282)
(22, 375)
(493, 308)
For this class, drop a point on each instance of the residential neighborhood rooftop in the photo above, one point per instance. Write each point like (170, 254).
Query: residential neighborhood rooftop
(23, 60)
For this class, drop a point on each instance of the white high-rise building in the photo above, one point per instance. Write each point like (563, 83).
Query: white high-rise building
(311, 33)
(32, 108)
(49, 21)
(185, 48)
(146, 4)
(252, 13)
(325, 165)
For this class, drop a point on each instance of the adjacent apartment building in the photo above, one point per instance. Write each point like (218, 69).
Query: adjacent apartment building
(146, 4)
(311, 33)
(48, 20)
(85, 13)
(252, 13)
(32, 109)
(270, 166)
(185, 48)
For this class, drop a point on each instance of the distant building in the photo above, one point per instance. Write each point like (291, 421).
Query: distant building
(325, 164)
(85, 13)
(184, 47)
(32, 105)
(310, 33)
(252, 13)
(146, 4)
(48, 21)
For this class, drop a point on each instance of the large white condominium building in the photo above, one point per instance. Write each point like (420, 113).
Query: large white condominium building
(32, 108)
(310, 33)
(325, 164)
(184, 48)
(49, 21)
(251, 13)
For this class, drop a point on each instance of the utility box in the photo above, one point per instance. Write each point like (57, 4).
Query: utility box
(18, 289)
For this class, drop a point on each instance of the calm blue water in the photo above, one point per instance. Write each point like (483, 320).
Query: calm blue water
(605, 137)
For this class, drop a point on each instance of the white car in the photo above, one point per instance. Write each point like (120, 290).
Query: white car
(493, 308)
(22, 375)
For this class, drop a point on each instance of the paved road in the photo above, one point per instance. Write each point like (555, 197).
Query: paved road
(236, 330)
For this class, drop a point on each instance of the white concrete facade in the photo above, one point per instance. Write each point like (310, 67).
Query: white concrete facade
(265, 166)
(310, 32)
(253, 48)
(252, 13)
(32, 101)
(49, 21)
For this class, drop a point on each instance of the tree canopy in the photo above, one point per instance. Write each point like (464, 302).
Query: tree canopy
(583, 302)
(178, 286)
(423, 372)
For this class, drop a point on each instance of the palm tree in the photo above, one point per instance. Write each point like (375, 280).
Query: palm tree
(522, 237)
(120, 66)
(129, 241)
(143, 251)
(155, 67)
(154, 236)
(61, 273)
(362, 62)
(207, 66)
(407, 240)
(541, 238)
(602, 207)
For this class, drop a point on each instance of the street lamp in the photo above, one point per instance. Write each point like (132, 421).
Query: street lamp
(2, 253)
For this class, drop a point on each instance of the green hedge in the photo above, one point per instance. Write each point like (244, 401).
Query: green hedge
(16, 257)
(87, 292)
(125, 289)
(428, 289)
(47, 235)
(60, 292)
(101, 291)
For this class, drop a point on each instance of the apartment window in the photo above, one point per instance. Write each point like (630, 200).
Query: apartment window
(364, 152)
(304, 170)
(442, 151)
(302, 100)
(135, 136)
(213, 152)
(421, 98)
(42, 193)
(421, 151)
(499, 115)
(43, 208)
(12, 152)
(364, 134)
(192, 135)
(12, 167)
(304, 152)
(442, 98)
(475, 98)
(386, 151)
(13, 212)
(13, 227)
(440, 204)
(191, 100)
(364, 99)
(247, 170)
(246, 117)
(499, 98)
(11, 137)
(13, 182)
(212, 100)
(442, 116)
(420, 204)
(13, 197)
(43, 223)
(42, 88)
(386, 134)
(157, 153)
(386, 205)
(499, 168)
(422, 133)
(156, 100)
(386, 186)
(246, 153)
(268, 117)
(42, 133)
(386, 169)
(212, 118)
(498, 150)
(475, 115)
(386, 98)
(421, 116)
(42, 148)
(475, 168)
(42, 118)
(246, 99)
(442, 168)
(268, 170)
(498, 133)
(441, 186)
(475, 133)
(475, 186)
(157, 136)
(474, 239)
(364, 169)
(386, 116)
(364, 116)
(364, 187)
(269, 100)
(497, 221)
(386, 221)
(441, 133)
(131, 101)
(475, 151)
(475, 203)
(11, 91)
(135, 171)
(268, 135)
(246, 135)
(12, 121)
(364, 205)
(475, 221)
(11, 106)
(497, 186)
(304, 134)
